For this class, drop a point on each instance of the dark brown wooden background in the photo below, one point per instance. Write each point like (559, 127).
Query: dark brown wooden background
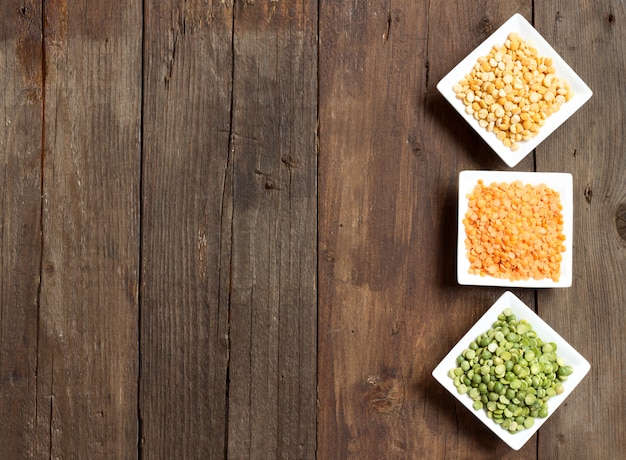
(227, 228)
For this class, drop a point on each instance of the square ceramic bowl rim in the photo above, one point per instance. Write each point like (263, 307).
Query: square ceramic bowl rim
(564, 350)
(517, 23)
(560, 182)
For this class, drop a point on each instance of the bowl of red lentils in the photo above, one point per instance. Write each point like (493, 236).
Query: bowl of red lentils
(514, 90)
(515, 229)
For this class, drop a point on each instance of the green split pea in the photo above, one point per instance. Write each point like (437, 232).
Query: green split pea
(510, 373)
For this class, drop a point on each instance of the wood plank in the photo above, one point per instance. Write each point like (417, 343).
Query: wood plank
(21, 84)
(87, 331)
(186, 224)
(390, 152)
(590, 315)
(273, 304)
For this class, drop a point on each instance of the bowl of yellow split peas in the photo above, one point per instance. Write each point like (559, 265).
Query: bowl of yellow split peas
(514, 90)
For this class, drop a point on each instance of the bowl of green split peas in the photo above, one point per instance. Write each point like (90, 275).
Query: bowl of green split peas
(511, 370)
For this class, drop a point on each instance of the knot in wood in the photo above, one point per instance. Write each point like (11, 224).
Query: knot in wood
(610, 19)
(385, 395)
(485, 26)
(588, 192)
(620, 221)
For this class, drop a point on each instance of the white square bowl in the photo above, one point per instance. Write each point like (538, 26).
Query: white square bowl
(527, 32)
(559, 182)
(545, 333)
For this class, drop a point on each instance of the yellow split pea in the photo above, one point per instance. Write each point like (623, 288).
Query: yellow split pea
(512, 91)
(514, 231)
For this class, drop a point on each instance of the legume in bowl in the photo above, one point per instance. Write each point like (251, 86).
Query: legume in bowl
(514, 90)
(511, 370)
(515, 229)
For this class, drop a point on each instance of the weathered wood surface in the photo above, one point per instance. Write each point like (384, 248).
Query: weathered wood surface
(390, 153)
(186, 229)
(272, 372)
(87, 341)
(70, 229)
(227, 229)
(228, 304)
(591, 314)
(21, 93)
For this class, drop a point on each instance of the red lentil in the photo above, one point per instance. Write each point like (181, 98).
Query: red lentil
(514, 231)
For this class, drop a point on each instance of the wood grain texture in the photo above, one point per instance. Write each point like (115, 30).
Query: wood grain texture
(389, 306)
(174, 281)
(21, 84)
(186, 229)
(87, 327)
(590, 315)
(273, 319)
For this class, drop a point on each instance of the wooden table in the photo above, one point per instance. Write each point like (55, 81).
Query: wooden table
(227, 229)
